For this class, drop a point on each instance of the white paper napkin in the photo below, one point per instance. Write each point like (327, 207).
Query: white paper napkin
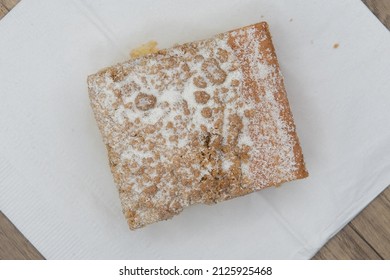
(55, 183)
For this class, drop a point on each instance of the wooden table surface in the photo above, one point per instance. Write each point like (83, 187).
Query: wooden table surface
(367, 236)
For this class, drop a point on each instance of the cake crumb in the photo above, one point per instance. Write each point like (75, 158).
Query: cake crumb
(144, 49)
(336, 45)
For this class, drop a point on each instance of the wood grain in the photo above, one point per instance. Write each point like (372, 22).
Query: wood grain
(9, 4)
(371, 226)
(380, 8)
(365, 237)
(3, 10)
(374, 225)
(386, 194)
(13, 245)
(347, 245)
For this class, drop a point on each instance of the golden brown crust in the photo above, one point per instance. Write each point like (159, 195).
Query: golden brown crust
(286, 113)
(257, 89)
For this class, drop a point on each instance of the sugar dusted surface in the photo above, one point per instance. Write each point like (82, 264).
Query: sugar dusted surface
(198, 123)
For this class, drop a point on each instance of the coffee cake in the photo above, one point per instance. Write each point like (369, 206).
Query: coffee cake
(201, 122)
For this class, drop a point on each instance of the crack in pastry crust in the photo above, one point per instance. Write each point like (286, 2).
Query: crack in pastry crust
(201, 122)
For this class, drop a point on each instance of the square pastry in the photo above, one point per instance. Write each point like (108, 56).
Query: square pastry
(201, 122)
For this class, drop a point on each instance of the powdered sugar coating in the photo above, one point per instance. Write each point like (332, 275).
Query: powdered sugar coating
(198, 123)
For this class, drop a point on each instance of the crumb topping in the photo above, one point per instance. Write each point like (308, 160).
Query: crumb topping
(198, 123)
